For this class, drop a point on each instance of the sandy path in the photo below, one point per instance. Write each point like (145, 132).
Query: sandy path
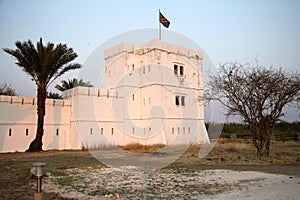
(258, 185)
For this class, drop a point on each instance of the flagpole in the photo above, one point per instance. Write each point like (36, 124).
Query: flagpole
(159, 24)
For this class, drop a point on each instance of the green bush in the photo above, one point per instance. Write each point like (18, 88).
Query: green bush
(283, 131)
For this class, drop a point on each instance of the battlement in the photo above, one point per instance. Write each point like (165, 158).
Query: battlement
(153, 45)
(33, 101)
(118, 49)
(89, 91)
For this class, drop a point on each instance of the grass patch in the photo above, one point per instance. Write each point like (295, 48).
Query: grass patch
(139, 148)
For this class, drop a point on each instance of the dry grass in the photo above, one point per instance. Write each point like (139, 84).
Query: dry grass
(139, 148)
(227, 140)
(230, 152)
(234, 147)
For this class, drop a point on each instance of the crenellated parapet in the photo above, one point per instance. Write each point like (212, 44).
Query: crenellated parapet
(20, 100)
(90, 92)
(152, 46)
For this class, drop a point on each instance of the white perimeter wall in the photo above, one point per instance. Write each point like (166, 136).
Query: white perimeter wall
(18, 122)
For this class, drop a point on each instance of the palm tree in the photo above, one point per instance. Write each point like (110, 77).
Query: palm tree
(43, 64)
(71, 83)
(53, 95)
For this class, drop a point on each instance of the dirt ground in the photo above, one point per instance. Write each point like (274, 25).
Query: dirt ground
(16, 181)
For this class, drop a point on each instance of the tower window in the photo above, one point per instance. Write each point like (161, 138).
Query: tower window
(177, 100)
(26, 131)
(183, 100)
(101, 131)
(57, 132)
(176, 69)
(9, 132)
(112, 131)
(181, 70)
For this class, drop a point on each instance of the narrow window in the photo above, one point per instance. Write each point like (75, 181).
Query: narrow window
(57, 132)
(133, 97)
(132, 130)
(101, 131)
(149, 129)
(181, 70)
(149, 100)
(144, 101)
(112, 131)
(132, 67)
(183, 130)
(148, 68)
(177, 100)
(26, 132)
(183, 100)
(9, 132)
(176, 69)
(172, 130)
(144, 70)
(178, 129)
(189, 130)
(91, 131)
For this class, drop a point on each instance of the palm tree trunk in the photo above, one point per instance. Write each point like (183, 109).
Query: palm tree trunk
(37, 143)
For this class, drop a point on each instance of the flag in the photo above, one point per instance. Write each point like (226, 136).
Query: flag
(164, 21)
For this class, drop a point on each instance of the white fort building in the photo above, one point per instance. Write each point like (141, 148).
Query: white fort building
(153, 94)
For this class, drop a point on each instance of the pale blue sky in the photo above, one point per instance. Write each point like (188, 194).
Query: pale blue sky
(228, 30)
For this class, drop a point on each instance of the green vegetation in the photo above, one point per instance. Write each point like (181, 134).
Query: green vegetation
(283, 131)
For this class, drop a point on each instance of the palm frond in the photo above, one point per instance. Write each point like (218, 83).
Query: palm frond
(43, 63)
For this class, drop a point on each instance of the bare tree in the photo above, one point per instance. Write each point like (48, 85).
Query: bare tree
(258, 94)
(6, 89)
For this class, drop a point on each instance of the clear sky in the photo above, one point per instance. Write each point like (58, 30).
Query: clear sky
(228, 30)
